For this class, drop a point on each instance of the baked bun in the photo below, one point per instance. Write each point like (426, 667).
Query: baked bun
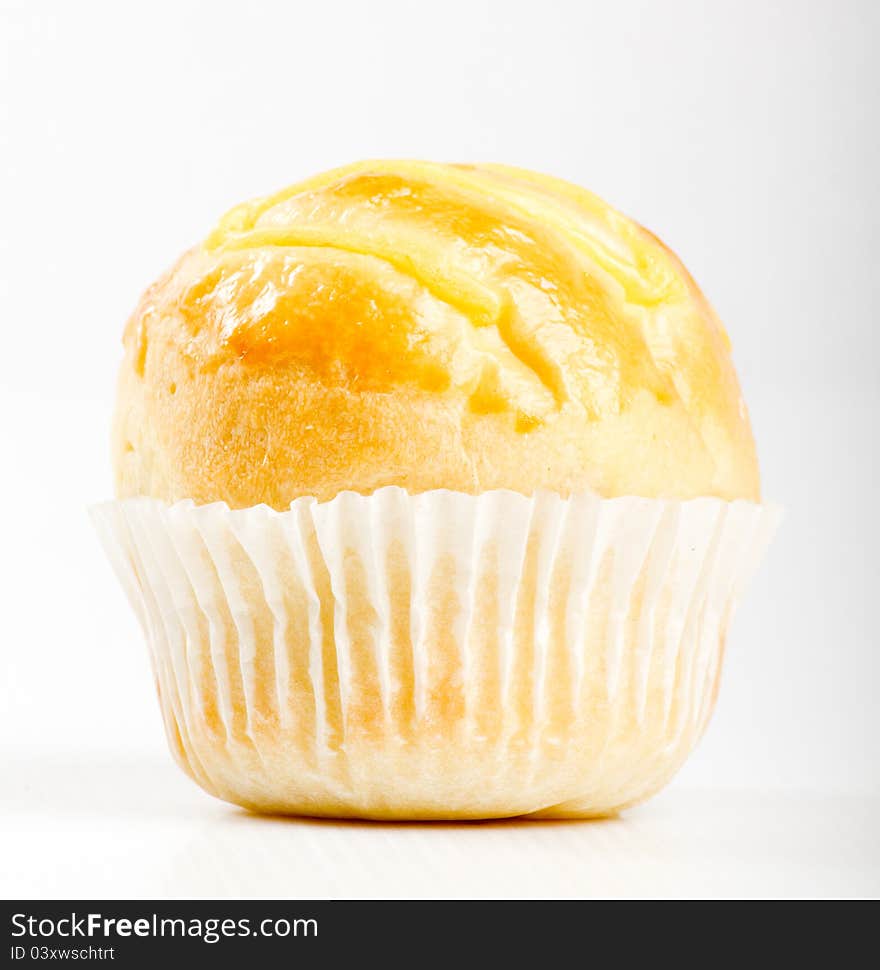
(499, 631)
(469, 327)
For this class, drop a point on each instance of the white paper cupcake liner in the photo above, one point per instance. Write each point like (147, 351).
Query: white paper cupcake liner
(438, 655)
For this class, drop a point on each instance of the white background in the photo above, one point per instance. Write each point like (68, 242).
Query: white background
(744, 133)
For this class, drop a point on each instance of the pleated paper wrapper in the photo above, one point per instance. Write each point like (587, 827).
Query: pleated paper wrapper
(438, 655)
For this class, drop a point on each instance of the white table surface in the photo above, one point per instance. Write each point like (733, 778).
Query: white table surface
(107, 826)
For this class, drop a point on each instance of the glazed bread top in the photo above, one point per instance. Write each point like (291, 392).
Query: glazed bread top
(430, 326)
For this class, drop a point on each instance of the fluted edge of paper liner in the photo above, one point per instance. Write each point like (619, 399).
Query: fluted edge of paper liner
(438, 655)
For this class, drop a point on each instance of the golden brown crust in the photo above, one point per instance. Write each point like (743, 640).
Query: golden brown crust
(428, 326)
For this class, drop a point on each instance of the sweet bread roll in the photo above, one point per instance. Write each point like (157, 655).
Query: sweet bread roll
(469, 327)
(401, 453)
